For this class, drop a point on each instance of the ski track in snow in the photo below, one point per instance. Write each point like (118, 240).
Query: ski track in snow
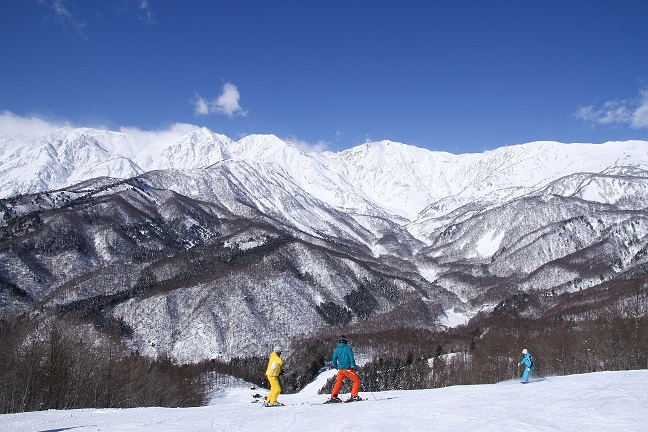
(603, 401)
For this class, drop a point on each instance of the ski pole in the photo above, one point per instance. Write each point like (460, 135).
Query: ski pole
(368, 388)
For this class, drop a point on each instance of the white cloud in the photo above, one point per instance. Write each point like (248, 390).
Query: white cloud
(201, 106)
(29, 127)
(33, 127)
(307, 147)
(640, 115)
(176, 129)
(633, 113)
(63, 15)
(146, 13)
(227, 103)
(160, 138)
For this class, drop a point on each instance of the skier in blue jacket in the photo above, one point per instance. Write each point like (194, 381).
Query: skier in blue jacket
(344, 362)
(527, 361)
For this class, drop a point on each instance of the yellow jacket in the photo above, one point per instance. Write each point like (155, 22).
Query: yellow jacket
(274, 365)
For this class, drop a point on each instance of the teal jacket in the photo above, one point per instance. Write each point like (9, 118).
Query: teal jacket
(528, 361)
(343, 357)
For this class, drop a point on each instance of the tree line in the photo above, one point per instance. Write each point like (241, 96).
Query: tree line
(57, 362)
(488, 349)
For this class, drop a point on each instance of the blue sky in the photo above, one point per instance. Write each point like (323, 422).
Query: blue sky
(457, 76)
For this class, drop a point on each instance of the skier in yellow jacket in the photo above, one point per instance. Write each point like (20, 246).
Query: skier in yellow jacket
(275, 368)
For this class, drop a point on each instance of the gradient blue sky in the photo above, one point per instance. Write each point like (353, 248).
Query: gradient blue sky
(457, 76)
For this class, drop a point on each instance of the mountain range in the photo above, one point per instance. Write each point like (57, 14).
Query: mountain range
(210, 248)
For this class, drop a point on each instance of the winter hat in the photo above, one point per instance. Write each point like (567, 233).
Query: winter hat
(277, 349)
(343, 339)
(524, 351)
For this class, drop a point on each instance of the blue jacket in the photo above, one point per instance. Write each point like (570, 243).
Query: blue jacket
(343, 357)
(527, 361)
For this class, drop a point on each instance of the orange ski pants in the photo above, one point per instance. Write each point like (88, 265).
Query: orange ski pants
(352, 375)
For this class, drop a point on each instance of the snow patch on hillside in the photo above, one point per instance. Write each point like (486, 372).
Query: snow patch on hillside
(454, 318)
(489, 243)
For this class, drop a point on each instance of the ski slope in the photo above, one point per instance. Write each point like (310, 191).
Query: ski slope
(603, 401)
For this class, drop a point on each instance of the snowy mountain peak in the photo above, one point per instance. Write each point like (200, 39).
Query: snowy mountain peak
(401, 179)
(267, 148)
(197, 149)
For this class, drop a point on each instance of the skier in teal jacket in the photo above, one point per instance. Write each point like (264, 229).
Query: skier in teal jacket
(343, 355)
(527, 361)
(344, 362)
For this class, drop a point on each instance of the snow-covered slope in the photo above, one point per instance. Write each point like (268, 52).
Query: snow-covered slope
(603, 401)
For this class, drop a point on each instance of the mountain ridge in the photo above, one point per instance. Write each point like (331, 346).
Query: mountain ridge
(194, 262)
(400, 178)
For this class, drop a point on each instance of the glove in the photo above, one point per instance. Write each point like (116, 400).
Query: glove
(281, 373)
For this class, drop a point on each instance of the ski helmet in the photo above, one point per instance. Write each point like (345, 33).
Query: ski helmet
(524, 351)
(277, 349)
(343, 339)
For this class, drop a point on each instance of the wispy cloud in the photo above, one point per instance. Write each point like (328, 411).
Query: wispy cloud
(159, 138)
(146, 12)
(35, 126)
(227, 103)
(633, 113)
(306, 146)
(201, 106)
(640, 114)
(30, 127)
(63, 15)
(66, 18)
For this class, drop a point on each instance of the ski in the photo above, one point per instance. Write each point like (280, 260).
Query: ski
(261, 400)
(338, 400)
(533, 380)
(356, 399)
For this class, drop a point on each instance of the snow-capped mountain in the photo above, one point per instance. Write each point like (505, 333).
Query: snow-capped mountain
(400, 179)
(203, 247)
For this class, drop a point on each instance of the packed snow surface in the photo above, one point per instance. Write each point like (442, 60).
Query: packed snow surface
(603, 401)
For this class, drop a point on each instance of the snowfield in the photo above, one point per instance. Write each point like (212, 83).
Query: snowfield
(603, 401)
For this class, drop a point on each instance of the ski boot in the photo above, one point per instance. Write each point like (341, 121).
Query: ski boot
(353, 399)
(333, 399)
